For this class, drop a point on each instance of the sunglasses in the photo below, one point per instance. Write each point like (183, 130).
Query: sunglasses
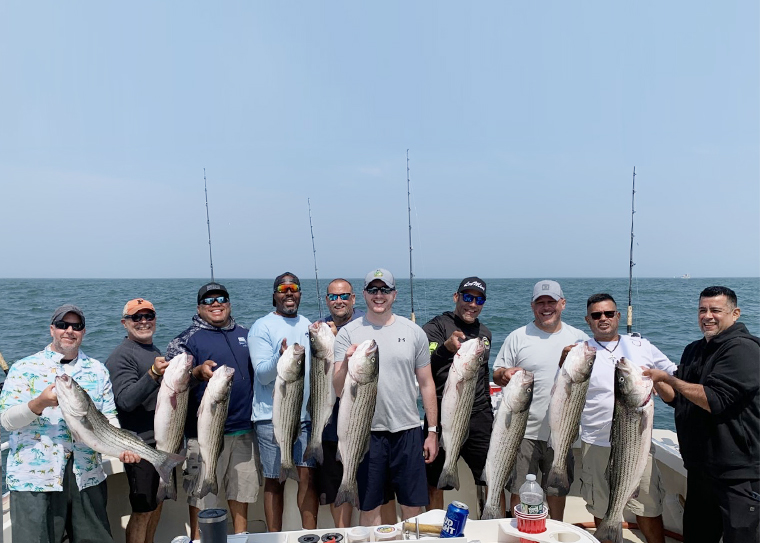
(282, 289)
(469, 298)
(596, 315)
(63, 325)
(137, 317)
(211, 299)
(375, 290)
(333, 297)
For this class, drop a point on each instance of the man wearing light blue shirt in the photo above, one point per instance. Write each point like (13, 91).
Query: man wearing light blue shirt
(267, 340)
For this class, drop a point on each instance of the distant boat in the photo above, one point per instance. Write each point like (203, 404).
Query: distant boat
(686, 276)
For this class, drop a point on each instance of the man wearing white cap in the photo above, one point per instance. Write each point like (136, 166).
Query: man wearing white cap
(537, 347)
(398, 450)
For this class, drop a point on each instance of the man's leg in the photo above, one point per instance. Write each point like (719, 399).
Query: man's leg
(527, 461)
(408, 511)
(556, 506)
(407, 471)
(652, 528)
(239, 514)
(342, 515)
(273, 504)
(370, 518)
(740, 509)
(137, 528)
(143, 485)
(155, 517)
(308, 502)
(388, 512)
(193, 515)
(435, 496)
(89, 516)
(38, 516)
(242, 477)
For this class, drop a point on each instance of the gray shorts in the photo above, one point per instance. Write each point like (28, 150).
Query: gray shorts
(596, 491)
(238, 471)
(535, 456)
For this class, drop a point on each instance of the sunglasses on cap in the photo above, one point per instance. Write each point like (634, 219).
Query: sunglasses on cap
(375, 290)
(469, 298)
(287, 287)
(63, 325)
(596, 315)
(211, 299)
(332, 297)
(137, 317)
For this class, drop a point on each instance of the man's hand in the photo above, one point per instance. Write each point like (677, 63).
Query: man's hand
(283, 346)
(128, 457)
(204, 372)
(501, 376)
(47, 398)
(332, 326)
(430, 447)
(454, 341)
(350, 351)
(662, 383)
(160, 365)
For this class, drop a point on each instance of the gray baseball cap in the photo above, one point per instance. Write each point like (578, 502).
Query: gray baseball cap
(67, 308)
(384, 275)
(547, 288)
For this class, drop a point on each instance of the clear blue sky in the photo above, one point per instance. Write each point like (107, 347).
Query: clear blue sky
(523, 120)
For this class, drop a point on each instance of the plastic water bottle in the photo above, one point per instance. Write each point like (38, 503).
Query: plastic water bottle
(531, 496)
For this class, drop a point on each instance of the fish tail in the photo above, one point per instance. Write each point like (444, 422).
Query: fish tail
(167, 490)
(289, 471)
(491, 512)
(347, 493)
(166, 468)
(557, 482)
(314, 451)
(209, 486)
(610, 531)
(449, 478)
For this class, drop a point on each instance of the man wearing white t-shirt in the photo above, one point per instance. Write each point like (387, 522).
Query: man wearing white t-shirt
(537, 347)
(603, 318)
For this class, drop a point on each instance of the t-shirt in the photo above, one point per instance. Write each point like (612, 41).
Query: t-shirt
(402, 349)
(596, 419)
(264, 341)
(534, 350)
(356, 314)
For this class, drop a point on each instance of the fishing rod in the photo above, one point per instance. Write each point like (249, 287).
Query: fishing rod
(409, 211)
(208, 226)
(631, 263)
(314, 250)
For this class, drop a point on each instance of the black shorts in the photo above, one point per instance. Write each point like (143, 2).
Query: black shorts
(330, 475)
(395, 459)
(143, 485)
(474, 449)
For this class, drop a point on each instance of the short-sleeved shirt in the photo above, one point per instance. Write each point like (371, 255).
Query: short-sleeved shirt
(402, 349)
(534, 350)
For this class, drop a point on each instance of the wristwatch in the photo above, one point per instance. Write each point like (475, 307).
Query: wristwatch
(433, 429)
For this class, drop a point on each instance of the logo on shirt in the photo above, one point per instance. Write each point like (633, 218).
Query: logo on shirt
(402, 339)
(242, 341)
(486, 343)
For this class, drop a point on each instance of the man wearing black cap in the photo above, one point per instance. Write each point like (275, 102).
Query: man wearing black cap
(268, 339)
(446, 333)
(215, 339)
(53, 481)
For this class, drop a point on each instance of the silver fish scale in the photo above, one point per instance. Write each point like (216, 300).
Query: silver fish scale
(566, 432)
(170, 439)
(322, 400)
(288, 425)
(457, 429)
(211, 421)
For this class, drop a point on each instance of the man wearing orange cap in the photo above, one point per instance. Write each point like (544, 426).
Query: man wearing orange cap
(136, 367)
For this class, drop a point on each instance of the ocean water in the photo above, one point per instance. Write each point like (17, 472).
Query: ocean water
(665, 310)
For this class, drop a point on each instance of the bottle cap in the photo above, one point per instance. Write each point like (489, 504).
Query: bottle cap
(530, 477)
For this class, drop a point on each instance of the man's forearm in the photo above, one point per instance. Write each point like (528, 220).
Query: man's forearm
(693, 392)
(429, 403)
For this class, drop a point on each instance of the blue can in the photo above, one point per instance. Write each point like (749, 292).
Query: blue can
(456, 517)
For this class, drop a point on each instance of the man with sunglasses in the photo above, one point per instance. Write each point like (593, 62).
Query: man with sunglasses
(56, 485)
(398, 450)
(537, 347)
(215, 339)
(603, 319)
(446, 333)
(136, 366)
(269, 337)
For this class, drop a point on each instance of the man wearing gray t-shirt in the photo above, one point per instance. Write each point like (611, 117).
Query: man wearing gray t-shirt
(396, 440)
(537, 347)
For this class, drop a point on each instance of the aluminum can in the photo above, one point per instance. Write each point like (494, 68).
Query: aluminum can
(455, 519)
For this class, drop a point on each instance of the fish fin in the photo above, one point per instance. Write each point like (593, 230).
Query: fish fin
(354, 389)
(167, 490)
(338, 456)
(635, 493)
(557, 482)
(508, 420)
(166, 467)
(327, 365)
(609, 531)
(173, 401)
(290, 472)
(449, 479)
(314, 451)
(490, 512)
(347, 494)
(209, 486)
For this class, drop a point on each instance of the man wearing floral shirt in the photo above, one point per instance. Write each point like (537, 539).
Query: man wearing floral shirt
(56, 485)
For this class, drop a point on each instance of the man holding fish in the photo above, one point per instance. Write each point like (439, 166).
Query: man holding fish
(55, 482)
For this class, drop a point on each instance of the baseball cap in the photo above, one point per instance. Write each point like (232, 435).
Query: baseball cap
(67, 308)
(473, 283)
(138, 304)
(211, 287)
(547, 288)
(384, 275)
(280, 279)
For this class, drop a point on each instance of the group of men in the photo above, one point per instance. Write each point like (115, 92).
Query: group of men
(61, 482)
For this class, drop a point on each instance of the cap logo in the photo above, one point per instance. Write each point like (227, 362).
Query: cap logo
(378, 273)
(140, 301)
(474, 284)
(545, 286)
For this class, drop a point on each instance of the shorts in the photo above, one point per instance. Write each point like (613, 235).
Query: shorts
(143, 482)
(535, 455)
(596, 491)
(329, 475)
(270, 450)
(238, 470)
(395, 458)
(474, 449)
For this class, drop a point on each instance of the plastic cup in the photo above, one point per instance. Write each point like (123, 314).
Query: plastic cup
(530, 524)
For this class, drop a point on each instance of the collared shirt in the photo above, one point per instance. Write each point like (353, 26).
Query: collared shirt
(39, 451)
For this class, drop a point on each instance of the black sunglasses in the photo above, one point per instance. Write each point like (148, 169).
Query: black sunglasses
(596, 315)
(468, 298)
(375, 290)
(332, 297)
(63, 325)
(211, 299)
(137, 317)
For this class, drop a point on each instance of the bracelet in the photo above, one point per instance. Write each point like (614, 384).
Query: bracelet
(432, 429)
(153, 369)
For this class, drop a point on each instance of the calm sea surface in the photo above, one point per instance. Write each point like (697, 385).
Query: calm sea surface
(665, 310)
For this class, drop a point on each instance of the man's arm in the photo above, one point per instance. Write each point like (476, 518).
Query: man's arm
(429, 402)
(131, 387)
(264, 355)
(442, 348)
(504, 365)
(667, 385)
(343, 349)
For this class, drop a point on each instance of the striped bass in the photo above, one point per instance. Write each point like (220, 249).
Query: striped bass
(456, 407)
(286, 406)
(170, 414)
(357, 407)
(508, 432)
(568, 397)
(91, 427)
(322, 396)
(630, 442)
(212, 414)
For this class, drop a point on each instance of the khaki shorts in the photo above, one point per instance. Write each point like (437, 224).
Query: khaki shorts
(596, 491)
(535, 456)
(238, 471)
